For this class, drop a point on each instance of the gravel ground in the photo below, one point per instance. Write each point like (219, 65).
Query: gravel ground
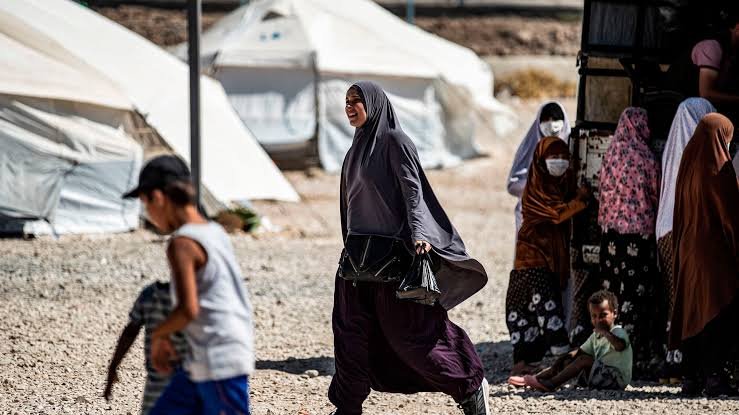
(65, 301)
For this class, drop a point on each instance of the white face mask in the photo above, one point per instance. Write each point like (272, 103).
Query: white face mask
(557, 167)
(551, 128)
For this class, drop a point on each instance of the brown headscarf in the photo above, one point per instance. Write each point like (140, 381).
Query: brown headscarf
(705, 231)
(543, 237)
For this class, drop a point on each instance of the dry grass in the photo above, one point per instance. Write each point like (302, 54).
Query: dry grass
(534, 84)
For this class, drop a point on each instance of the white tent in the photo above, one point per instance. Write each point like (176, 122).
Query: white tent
(65, 158)
(62, 173)
(286, 65)
(143, 76)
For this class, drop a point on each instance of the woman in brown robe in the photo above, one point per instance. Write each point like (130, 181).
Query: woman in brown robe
(534, 313)
(706, 246)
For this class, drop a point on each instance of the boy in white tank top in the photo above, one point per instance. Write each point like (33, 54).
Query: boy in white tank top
(211, 303)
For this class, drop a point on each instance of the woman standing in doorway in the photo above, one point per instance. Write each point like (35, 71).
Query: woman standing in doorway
(629, 197)
(706, 245)
(687, 117)
(534, 312)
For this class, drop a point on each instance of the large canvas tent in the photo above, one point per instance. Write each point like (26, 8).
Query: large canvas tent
(79, 113)
(286, 65)
(65, 154)
(61, 172)
(156, 84)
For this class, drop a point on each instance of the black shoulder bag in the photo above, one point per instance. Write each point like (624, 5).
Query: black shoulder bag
(374, 258)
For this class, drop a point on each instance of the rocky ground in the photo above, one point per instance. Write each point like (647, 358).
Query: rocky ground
(65, 301)
(486, 35)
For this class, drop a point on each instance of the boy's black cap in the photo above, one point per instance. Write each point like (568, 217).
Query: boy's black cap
(160, 172)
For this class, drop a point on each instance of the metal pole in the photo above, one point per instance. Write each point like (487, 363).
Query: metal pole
(410, 12)
(193, 41)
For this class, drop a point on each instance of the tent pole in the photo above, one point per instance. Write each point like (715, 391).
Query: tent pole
(410, 12)
(193, 41)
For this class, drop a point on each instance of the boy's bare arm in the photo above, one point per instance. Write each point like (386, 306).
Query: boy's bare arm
(128, 336)
(185, 258)
(618, 343)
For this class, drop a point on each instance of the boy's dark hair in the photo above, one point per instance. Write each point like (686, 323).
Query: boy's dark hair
(181, 193)
(604, 295)
(553, 111)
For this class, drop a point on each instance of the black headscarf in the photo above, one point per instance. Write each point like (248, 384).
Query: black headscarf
(384, 191)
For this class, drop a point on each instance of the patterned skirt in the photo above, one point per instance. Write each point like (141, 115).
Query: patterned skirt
(673, 358)
(534, 315)
(628, 266)
(584, 284)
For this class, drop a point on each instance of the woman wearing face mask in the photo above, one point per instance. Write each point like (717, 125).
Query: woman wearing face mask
(688, 115)
(706, 244)
(380, 341)
(550, 121)
(629, 197)
(534, 313)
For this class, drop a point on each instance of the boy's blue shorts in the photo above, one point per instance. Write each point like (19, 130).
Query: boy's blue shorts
(185, 397)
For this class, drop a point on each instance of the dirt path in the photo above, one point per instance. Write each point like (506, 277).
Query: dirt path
(64, 303)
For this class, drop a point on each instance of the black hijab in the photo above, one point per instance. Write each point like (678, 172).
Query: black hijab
(384, 191)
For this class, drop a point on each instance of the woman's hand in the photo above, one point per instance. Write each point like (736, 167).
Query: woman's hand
(584, 192)
(422, 247)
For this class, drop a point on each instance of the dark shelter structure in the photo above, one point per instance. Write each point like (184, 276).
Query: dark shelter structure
(633, 53)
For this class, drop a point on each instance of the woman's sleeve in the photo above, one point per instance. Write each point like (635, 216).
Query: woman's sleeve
(406, 166)
(342, 204)
(656, 183)
(568, 210)
(707, 54)
(726, 199)
(517, 184)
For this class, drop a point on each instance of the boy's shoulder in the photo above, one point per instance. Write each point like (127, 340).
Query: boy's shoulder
(620, 332)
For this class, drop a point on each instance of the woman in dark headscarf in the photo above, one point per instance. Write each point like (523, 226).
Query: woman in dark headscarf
(534, 313)
(381, 342)
(629, 199)
(706, 246)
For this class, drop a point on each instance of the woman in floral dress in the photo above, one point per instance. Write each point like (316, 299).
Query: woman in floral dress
(629, 198)
(534, 313)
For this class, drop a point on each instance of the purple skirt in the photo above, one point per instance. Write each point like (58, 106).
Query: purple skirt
(392, 345)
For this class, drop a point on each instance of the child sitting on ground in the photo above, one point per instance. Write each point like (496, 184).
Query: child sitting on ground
(602, 362)
(152, 306)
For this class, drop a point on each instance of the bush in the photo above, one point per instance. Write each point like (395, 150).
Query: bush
(240, 218)
(534, 84)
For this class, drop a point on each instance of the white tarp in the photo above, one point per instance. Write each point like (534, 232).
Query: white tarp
(28, 72)
(234, 166)
(65, 173)
(276, 58)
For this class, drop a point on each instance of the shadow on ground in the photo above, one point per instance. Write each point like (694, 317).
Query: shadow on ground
(324, 365)
(581, 394)
(496, 359)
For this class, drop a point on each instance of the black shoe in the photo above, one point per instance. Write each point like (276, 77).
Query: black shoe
(477, 404)
(691, 387)
(717, 385)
